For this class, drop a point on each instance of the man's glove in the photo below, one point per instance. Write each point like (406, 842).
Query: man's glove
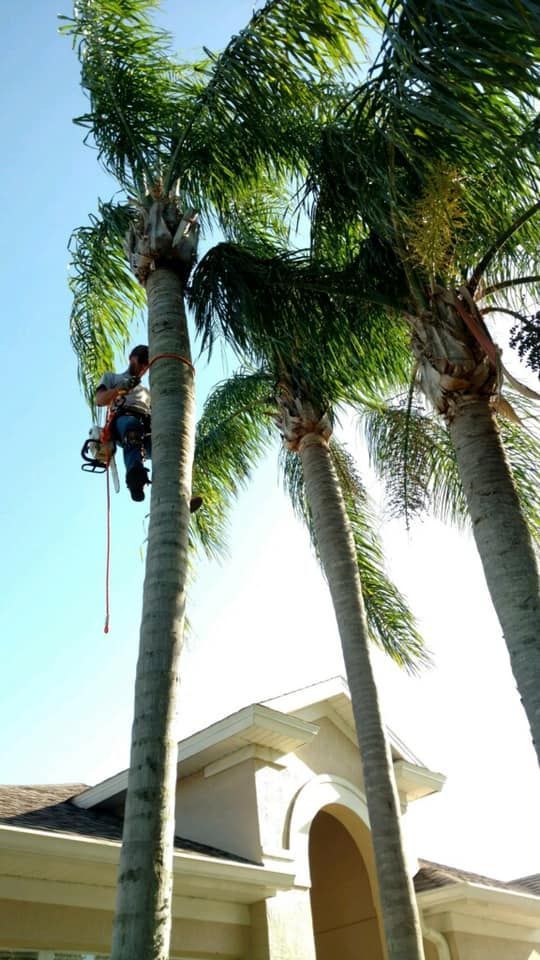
(128, 383)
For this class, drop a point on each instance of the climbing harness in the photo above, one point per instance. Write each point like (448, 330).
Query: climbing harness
(98, 453)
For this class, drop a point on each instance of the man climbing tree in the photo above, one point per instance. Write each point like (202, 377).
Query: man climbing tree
(130, 427)
(130, 402)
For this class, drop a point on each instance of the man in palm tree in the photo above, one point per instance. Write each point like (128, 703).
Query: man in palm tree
(130, 402)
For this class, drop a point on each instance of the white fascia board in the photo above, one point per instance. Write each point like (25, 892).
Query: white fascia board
(415, 782)
(471, 898)
(307, 696)
(101, 791)
(255, 724)
(401, 751)
(187, 864)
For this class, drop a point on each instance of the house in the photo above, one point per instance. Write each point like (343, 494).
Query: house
(273, 855)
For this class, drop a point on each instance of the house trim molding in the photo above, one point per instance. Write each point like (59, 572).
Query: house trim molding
(316, 794)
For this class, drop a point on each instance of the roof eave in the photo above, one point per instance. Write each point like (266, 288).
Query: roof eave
(255, 724)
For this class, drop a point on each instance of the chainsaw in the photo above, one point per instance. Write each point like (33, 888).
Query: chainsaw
(99, 455)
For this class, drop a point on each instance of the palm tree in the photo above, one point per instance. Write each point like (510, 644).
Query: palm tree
(181, 141)
(430, 173)
(274, 310)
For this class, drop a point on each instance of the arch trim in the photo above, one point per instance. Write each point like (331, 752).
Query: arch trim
(315, 795)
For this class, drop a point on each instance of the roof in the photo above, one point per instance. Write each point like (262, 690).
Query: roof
(49, 808)
(532, 884)
(282, 724)
(433, 875)
(253, 725)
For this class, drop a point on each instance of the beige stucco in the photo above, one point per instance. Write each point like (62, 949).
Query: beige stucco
(34, 926)
(330, 752)
(466, 946)
(221, 810)
(282, 928)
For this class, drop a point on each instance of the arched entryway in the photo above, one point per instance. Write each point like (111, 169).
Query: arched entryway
(344, 916)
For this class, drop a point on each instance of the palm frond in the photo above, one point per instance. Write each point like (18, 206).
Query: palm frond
(232, 434)
(458, 66)
(523, 452)
(297, 315)
(412, 453)
(260, 220)
(515, 227)
(391, 623)
(137, 99)
(106, 296)
(254, 112)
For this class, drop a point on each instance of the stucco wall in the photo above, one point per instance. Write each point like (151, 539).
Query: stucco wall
(282, 928)
(329, 752)
(35, 926)
(39, 926)
(221, 810)
(467, 946)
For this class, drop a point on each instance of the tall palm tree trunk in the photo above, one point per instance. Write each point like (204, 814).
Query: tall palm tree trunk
(336, 548)
(504, 544)
(143, 912)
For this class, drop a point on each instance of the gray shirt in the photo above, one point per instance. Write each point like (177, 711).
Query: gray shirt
(137, 399)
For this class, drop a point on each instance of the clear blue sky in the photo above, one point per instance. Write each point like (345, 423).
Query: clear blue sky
(262, 623)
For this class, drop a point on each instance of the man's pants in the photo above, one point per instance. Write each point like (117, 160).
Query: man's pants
(129, 432)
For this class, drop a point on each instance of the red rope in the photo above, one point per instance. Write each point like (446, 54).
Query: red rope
(108, 560)
(172, 356)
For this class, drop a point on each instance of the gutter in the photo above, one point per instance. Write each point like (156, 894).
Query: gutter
(440, 942)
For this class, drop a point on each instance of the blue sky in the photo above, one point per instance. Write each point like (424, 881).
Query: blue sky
(261, 622)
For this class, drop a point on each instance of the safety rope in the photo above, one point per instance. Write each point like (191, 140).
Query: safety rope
(106, 438)
(171, 356)
(108, 554)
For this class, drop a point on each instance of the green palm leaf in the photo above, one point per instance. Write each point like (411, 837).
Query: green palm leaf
(213, 126)
(412, 453)
(106, 296)
(232, 435)
(133, 85)
(286, 309)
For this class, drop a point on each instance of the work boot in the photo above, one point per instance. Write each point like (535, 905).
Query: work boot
(136, 480)
(194, 504)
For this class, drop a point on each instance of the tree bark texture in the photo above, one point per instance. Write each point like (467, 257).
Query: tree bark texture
(142, 923)
(336, 548)
(504, 544)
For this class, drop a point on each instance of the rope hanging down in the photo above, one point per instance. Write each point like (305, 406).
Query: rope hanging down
(108, 555)
(107, 431)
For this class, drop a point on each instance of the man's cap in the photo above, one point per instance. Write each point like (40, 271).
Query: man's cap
(141, 352)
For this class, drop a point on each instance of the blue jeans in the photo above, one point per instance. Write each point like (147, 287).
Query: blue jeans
(132, 450)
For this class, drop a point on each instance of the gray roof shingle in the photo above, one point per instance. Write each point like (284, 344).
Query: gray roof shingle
(49, 807)
(433, 875)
